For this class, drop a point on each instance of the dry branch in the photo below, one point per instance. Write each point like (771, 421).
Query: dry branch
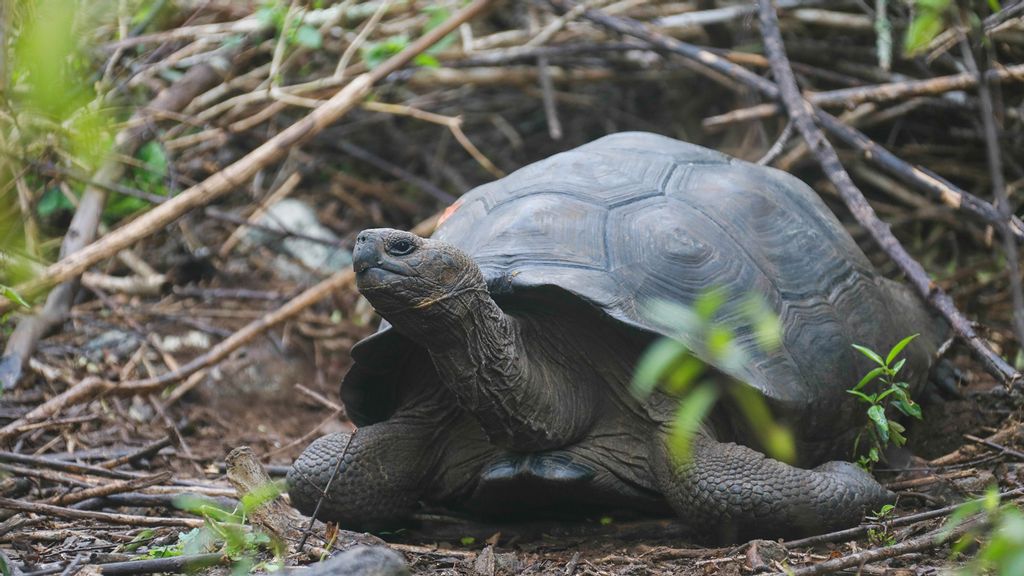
(926, 542)
(126, 519)
(239, 172)
(849, 97)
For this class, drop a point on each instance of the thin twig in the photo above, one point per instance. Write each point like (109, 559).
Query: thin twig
(127, 519)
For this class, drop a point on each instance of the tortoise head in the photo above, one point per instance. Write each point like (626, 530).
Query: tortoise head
(400, 273)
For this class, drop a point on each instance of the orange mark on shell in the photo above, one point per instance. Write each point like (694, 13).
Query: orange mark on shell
(449, 211)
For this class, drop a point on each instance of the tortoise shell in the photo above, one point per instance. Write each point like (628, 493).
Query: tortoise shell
(633, 218)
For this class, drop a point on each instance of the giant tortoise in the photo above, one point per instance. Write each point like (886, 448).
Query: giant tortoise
(499, 380)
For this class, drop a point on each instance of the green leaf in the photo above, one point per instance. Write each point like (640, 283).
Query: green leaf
(777, 440)
(118, 206)
(877, 415)
(887, 393)
(426, 61)
(694, 407)
(909, 407)
(467, 540)
(375, 53)
(53, 201)
(870, 354)
(874, 373)
(654, 364)
(896, 431)
(154, 158)
(765, 322)
(674, 318)
(683, 373)
(709, 303)
(9, 293)
(308, 37)
(899, 348)
(962, 512)
(437, 15)
(862, 396)
(899, 366)
(922, 30)
(259, 496)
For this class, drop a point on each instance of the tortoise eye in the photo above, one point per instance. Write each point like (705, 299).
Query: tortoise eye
(401, 247)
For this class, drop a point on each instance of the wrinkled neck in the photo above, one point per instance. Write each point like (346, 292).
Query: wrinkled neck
(466, 323)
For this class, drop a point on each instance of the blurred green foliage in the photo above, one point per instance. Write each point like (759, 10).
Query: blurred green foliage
(930, 18)
(51, 111)
(702, 373)
(375, 53)
(1002, 549)
(275, 14)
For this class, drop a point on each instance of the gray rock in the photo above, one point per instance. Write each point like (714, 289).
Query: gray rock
(114, 343)
(294, 216)
(358, 561)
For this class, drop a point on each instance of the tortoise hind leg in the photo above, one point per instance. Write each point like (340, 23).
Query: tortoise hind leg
(743, 493)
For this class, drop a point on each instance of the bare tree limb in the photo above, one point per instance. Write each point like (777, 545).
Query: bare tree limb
(239, 172)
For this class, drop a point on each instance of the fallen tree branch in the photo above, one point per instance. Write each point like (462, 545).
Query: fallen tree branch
(862, 530)
(126, 519)
(849, 97)
(234, 175)
(928, 541)
(190, 564)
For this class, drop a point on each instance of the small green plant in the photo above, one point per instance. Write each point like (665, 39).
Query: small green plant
(226, 531)
(880, 430)
(1002, 543)
(883, 535)
(680, 366)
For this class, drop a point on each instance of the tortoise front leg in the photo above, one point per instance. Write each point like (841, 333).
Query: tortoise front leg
(379, 480)
(386, 469)
(743, 493)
